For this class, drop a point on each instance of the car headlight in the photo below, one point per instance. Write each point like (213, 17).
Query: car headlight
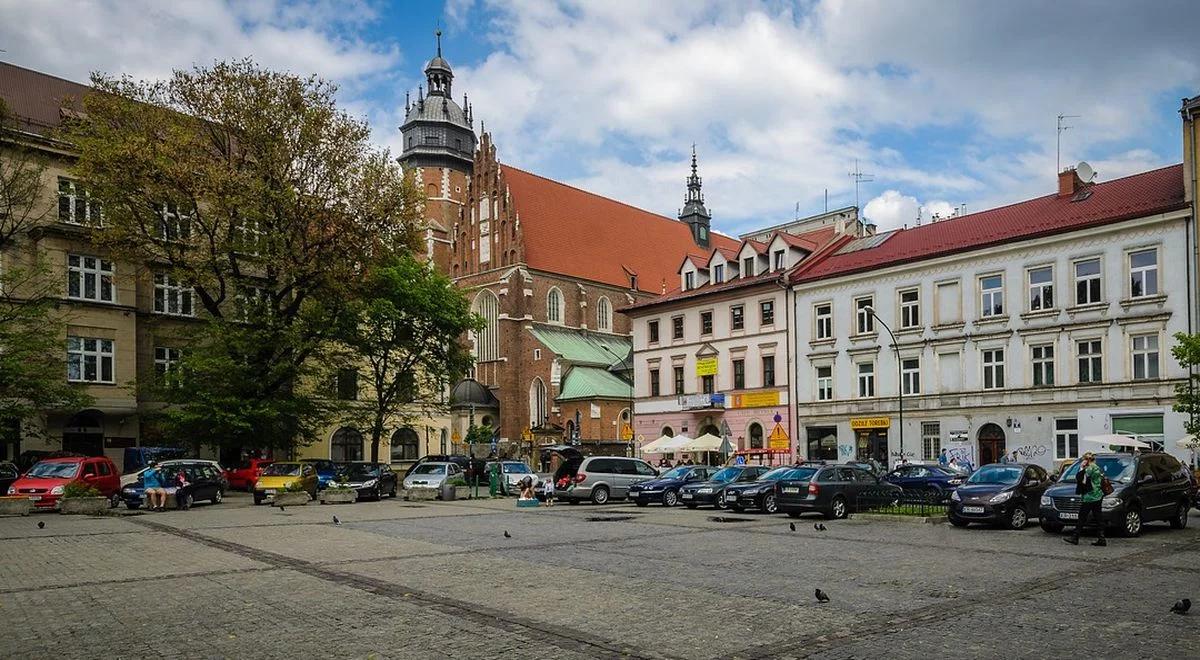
(369, 482)
(12, 491)
(955, 496)
(1109, 503)
(57, 490)
(1001, 497)
(1047, 501)
(705, 491)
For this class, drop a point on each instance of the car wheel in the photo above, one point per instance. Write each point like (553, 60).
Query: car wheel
(599, 495)
(769, 505)
(670, 498)
(187, 502)
(719, 501)
(1132, 525)
(958, 522)
(641, 503)
(392, 493)
(1051, 527)
(378, 494)
(114, 500)
(218, 496)
(837, 510)
(1179, 520)
(1017, 518)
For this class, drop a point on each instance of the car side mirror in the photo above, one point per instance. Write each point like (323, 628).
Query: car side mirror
(1146, 479)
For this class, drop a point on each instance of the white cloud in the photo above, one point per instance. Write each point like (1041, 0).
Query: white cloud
(894, 210)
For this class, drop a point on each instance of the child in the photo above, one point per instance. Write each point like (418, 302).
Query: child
(548, 492)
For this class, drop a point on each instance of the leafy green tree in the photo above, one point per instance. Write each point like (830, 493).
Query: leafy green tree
(407, 331)
(1187, 395)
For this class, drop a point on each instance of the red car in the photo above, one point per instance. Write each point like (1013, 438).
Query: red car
(44, 482)
(243, 476)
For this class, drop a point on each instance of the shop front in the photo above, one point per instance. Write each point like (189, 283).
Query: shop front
(871, 438)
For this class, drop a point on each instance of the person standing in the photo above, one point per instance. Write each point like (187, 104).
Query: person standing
(1088, 486)
(944, 459)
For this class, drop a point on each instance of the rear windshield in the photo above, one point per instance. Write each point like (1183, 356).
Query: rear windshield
(1116, 468)
(55, 470)
(426, 468)
(282, 470)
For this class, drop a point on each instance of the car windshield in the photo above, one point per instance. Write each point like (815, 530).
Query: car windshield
(676, 473)
(800, 474)
(776, 474)
(55, 470)
(727, 474)
(362, 471)
(1116, 468)
(282, 470)
(997, 474)
(426, 468)
(517, 468)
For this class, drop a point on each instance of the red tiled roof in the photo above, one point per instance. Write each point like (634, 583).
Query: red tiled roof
(729, 254)
(807, 241)
(1139, 195)
(37, 98)
(577, 233)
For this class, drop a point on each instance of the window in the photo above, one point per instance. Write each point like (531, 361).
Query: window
(931, 440)
(76, 206)
(864, 319)
(655, 389)
(739, 374)
(1143, 273)
(737, 317)
(90, 278)
(910, 308)
(1087, 282)
(993, 369)
(678, 373)
(1041, 288)
(554, 305)
(166, 361)
(603, 314)
(347, 385)
(706, 323)
(173, 224)
(779, 262)
(949, 302)
(991, 290)
(768, 371)
(1043, 365)
(537, 403)
(405, 445)
(1090, 368)
(825, 383)
(1145, 357)
(172, 297)
(910, 373)
(748, 267)
(347, 445)
(767, 311)
(653, 327)
(756, 436)
(824, 315)
(702, 232)
(677, 327)
(708, 384)
(252, 302)
(1066, 438)
(718, 273)
(949, 372)
(866, 379)
(689, 280)
(487, 340)
(89, 360)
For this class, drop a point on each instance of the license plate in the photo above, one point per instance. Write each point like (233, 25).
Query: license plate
(270, 491)
(791, 490)
(730, 497)
(35, 498)
(1068, 516)
(687, 496)
(972, 509)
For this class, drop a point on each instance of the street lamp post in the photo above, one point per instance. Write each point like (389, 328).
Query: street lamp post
(899, 376)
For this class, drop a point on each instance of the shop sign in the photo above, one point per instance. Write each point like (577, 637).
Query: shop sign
(864, 423)
(706, 366)
(756, 399)
(701, 400)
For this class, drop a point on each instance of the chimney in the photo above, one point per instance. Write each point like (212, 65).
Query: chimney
(1069, 183)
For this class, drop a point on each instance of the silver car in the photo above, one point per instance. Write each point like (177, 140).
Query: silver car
(596, 478)
(514, 473)
(431, 475)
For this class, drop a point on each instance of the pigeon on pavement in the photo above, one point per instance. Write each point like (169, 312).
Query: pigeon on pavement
(41, 524)
(1181, 606)
(281, 509)
(507, 535)
(822, 597)
(336, 521)
(816, 527)
(821, 527)
(792, 526)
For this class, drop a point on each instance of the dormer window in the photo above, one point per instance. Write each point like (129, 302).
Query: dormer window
(748, 267)
(718, 273)
(779, 259)
(689, 280)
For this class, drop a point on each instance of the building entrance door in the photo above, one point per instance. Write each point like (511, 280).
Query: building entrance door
(872, 444)
(991, 444)
(84, 433)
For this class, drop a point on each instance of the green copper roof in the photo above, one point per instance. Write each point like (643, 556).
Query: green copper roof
(593, 383)
(582, 347)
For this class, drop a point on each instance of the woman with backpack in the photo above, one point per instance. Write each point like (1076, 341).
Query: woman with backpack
(1089, 486)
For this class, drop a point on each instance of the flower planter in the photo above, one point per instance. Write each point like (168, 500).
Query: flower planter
(15, 506)
(462, 492)
(290, 499)
(420, 494)
(87, 506)
(339, 497)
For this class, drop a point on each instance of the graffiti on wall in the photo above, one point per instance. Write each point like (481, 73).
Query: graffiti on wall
(846, 450)
(1031, 451)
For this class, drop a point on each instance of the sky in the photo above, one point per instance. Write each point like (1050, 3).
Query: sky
(943, 104)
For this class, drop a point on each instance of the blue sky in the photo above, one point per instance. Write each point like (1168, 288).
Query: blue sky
(945, 103)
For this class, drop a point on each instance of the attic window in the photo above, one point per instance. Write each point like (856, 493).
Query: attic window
(689, 281)
(779, 259)
(633, 282)
(748, 267)
(718, 273)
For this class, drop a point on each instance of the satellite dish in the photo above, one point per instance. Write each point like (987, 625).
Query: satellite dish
(1085, 172)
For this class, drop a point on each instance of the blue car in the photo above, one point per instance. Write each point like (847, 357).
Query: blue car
(935, 479)
(665, 487)
(327, 471)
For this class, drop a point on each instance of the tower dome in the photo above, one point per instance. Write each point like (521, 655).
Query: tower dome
(437, 132)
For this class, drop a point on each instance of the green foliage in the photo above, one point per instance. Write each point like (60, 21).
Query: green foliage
(80, 489)
(457, 480)
(294, 487)
(480, 435)
(1187, 395)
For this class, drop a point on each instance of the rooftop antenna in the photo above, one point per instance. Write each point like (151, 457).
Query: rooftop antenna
(1058, 142)
(796, 216)
(827, 200)
(918, 216)
(438, 35)
(859, 177)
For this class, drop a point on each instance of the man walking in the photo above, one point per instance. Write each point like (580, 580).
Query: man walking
(1087, 486)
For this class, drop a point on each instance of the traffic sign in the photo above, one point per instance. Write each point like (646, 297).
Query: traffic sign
(527, 435)
(456, 436)
(627, 432)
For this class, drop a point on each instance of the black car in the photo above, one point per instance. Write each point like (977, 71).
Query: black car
(831, 490)
(1005, 494)
(203, 481)
(8, 475)
(763, 493)
(712, 492)
(1146, 487)
(371, 480)
(665, 488)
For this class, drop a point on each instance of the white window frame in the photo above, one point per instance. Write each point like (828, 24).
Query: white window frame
(823, 323)
(1144, 274)
(248, 297)
(1097, 277)
(993, 367)
(762, 309)
(603, 314)
(166, 360)
(1147, 357)
(173, 224)
(865, 379)
(170, 294)
(742, 312)
(93, 212)
(910, 310)
(554, 306)
(780, 259)
(246, 236)
(864, 321)
(718, 273)
(1095, 361)
(988, 297)
(910, 377)
(1042, 364)
(689, 280)
(931, 440)
(824, 383)
(1041, 294)
(99, 353)
(1066, 436)
(82, 268)
(748, 266)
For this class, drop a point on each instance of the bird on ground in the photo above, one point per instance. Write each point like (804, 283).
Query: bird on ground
(41, 524)
(793, 526)
(507, 535)
(1181, 606)
(281, 509)
(820, 527)
(816, 527)
(336, 521)
(822, 597)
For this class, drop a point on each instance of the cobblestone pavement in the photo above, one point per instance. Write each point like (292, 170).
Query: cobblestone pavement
(425, 580)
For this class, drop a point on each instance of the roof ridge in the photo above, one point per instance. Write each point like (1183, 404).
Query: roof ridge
(48, 75)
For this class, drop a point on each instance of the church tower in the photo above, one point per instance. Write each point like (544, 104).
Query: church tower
(693, 212)
(439, 145)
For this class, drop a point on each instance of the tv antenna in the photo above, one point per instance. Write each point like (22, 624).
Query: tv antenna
(1058, 141)
(859, 177)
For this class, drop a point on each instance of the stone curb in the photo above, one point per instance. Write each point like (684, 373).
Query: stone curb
(890, 517)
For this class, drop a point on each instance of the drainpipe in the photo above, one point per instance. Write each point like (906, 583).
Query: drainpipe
(1189, 115)
(792, 373)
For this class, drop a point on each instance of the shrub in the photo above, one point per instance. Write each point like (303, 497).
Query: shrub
(294, 487)
(80, 489)
(458, 480)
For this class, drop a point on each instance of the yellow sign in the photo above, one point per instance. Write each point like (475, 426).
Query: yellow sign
(526, 435)
(756, 399)
(870, 423)
(627, 432)
(779, 438)
(706, 366)
(456, 436)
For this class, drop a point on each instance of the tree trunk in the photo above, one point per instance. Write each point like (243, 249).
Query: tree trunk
(376, 437)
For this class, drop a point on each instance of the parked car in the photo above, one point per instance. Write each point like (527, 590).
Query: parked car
(463, 462)
(665, 488)
(1146, 487)
(371, 480)
(137, 458)
(712, 492)
(514, 473)
(8, 475)
(934, 478)
(281, 475)
(832, 490)
(596, 478)
(44, 482)
(1005, 494)
(763, 492)
(327, 470)
(205, 481)
(431, 474)
(135, 477)
(31, 457)
(245, 474)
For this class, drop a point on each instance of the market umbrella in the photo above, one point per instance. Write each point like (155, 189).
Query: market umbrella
(706, 442)
(1187, 442)
(1114, 440)
(655, 445)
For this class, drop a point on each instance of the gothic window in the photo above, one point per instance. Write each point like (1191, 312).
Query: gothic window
(603, 314)
(537, 403)
(487, 344)
(554, 306)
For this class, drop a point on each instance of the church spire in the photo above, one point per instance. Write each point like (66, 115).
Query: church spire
(694, 213)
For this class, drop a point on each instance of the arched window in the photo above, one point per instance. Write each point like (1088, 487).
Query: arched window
(756, 436)
(405, 445)
(603, 314)
(554, 305)
(668, 431)
(537, 403)
(487, 340)
(347, 445)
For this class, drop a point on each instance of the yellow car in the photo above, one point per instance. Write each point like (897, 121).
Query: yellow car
(278, 477)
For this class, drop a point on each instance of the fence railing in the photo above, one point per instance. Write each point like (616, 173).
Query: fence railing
(912, 502)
